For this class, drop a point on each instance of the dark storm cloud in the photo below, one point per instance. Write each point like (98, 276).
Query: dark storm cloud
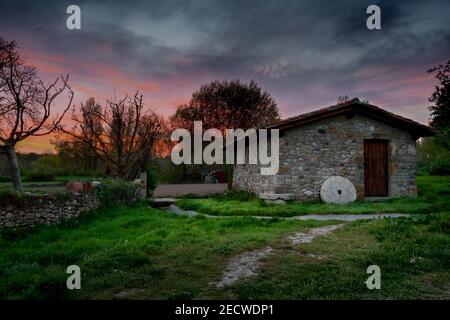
(304, 52)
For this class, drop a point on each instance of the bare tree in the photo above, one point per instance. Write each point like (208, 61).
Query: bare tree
(25, 104)
(122, 134)
(70, 148)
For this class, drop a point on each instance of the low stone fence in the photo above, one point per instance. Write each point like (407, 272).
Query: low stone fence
(32, 210)
(29, 210)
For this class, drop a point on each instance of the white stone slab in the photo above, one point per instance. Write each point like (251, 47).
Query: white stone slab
(337, 189)
(275, 196)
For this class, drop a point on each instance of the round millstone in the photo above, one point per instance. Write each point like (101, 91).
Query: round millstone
(337, 190)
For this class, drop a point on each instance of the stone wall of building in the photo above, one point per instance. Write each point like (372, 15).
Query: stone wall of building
(32, 210)
(311, 153)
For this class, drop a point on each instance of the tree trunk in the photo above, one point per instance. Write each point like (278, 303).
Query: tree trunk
(14, 168)
(228, 168)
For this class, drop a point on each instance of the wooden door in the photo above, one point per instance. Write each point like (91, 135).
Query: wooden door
(376, 168)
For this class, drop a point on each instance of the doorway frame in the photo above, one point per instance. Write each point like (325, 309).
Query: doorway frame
(387, 164)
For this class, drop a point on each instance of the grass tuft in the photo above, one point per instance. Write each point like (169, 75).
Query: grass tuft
(432, 197)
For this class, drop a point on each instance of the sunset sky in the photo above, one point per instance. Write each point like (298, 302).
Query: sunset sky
(305, 53)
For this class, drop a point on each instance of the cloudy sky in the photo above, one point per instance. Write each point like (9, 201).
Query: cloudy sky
(305, 53)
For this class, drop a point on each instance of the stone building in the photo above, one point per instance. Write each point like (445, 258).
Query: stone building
(373, 148)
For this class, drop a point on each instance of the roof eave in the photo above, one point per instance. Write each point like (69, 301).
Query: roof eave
(415, 128)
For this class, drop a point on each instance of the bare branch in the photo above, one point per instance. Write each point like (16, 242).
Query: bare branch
(121, 133)
(25, 102)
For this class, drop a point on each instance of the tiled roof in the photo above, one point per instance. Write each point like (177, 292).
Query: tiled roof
(352, 107)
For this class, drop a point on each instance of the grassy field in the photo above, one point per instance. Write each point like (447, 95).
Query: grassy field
(434, 196)
(413, 255)
(119, 248)
(172, 257)
(164, 256)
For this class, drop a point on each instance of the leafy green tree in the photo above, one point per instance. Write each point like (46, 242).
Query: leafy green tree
(440, 111)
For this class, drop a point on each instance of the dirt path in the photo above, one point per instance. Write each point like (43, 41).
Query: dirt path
(307, 237)
(247, 264)
(243, 266)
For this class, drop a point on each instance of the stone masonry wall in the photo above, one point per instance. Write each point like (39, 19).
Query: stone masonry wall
(311, 153)
(35, 210)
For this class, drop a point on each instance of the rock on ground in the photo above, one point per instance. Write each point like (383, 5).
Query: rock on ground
(128, 293)
(178, 190)
(337, 189)
(162, 202)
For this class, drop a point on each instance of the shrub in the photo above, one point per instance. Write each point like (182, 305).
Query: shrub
(441, 223)
(439, 167)
(113, 192)
(167, 172)
(63, 196)
(47, 168)
(88, 173)
(36, 176)
(434, 159)
(11, 197)
(5, 179)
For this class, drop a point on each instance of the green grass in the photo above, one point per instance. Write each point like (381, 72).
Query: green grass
(434, 196)
(119, 248)
(172, 257)
(413, 255)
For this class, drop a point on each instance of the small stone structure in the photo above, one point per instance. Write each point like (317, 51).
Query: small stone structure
(32, 210)
(331, 142)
